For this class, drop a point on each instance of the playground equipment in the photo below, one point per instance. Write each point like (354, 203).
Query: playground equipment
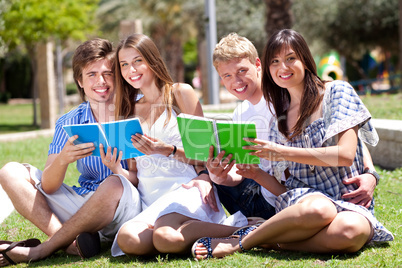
(329, 67)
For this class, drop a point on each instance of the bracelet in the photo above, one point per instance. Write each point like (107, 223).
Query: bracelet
(204, 171)
(174, 151)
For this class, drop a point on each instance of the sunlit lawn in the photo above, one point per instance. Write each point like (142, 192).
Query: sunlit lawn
(388, 210)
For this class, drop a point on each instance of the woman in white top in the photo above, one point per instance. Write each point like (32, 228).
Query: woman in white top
(173, 216)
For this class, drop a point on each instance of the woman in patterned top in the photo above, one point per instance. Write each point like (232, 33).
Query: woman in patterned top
(316, 139)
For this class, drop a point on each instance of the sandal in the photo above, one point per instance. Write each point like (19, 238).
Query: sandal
(33, 242)
(206, 241)
(245, 230)
(88, 244)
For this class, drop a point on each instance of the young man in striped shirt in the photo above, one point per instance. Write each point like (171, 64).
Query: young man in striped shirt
(72, 216)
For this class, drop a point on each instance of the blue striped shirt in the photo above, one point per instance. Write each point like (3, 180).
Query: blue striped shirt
(92, 170)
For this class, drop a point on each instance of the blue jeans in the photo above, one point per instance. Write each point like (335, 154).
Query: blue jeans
(247, 198)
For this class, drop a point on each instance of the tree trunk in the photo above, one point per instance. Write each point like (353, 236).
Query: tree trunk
(171, 51)
(174, 58)
(400, 45)
(279, 16)
(33, 84)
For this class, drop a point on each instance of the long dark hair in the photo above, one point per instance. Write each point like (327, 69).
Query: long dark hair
(126, 95)
(279, 97)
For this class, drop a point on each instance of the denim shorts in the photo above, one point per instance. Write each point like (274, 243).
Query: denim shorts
(247, 198)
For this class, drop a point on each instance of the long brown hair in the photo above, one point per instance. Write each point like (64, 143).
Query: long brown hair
(279, 97)
(126, 95)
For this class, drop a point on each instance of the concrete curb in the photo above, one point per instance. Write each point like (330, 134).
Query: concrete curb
(26, 135)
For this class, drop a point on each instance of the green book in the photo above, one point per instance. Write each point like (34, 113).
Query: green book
(199, 133)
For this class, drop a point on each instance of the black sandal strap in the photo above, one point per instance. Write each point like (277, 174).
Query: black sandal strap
(4, 252)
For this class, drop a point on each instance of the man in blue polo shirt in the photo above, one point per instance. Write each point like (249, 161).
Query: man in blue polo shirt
(103, 201)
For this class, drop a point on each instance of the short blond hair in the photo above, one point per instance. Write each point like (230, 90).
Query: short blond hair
(234, 46)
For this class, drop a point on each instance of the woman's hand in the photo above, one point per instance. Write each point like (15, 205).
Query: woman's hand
(248, 171)
(111, 160)
(265, 149)
(148, 145)
(204, 185)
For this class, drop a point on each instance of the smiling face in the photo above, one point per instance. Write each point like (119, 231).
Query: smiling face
(242, 78)
(287, 70)
(98, 82)
(134, 68)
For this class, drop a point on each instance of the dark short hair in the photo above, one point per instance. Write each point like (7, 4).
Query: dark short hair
(87, 53)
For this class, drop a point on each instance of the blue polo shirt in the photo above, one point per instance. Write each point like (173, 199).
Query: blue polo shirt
(92, 170)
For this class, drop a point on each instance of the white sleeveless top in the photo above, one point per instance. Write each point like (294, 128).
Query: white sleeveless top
(158, 174)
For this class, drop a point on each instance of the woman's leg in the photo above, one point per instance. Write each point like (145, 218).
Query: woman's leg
(293, 224)
(348, 232)
(175, 233)
(135, 238)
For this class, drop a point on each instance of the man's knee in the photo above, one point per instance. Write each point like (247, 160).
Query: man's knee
(14, 172)
(111, 186)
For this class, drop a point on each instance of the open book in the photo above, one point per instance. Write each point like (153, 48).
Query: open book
(199, 133)
(115, 134)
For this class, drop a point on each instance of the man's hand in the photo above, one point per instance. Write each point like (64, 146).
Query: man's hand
(364, 193)
(72, 152)
(204, 185)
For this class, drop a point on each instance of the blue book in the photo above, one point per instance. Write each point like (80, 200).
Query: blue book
(116, 134)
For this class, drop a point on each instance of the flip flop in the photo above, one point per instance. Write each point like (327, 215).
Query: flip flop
(32, 242)
(88, 244)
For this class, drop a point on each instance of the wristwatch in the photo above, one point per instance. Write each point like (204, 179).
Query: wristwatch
(374, 173)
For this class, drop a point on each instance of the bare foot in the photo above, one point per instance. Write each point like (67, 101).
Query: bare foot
(220, 247)
(18, 254)
(72, 249)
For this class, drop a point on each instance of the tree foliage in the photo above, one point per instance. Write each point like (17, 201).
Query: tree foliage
(27, 22)
(350, 27)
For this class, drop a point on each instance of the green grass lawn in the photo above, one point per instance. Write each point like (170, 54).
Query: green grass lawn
(388, 210)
